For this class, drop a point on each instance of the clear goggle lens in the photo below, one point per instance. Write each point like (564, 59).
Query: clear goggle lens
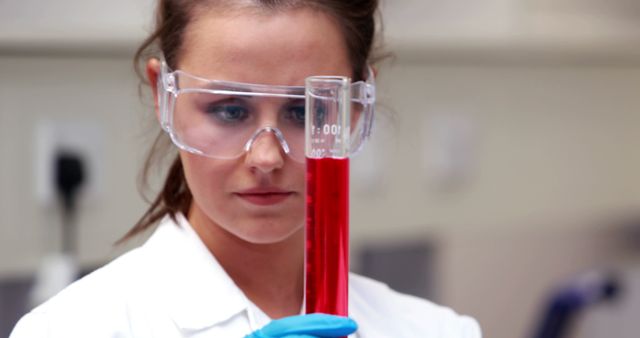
(222, 120)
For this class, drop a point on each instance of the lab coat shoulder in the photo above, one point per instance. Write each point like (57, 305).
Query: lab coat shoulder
(383, 312)
(99, 303)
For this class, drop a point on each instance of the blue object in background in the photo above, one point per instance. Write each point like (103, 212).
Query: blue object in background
(569, 301)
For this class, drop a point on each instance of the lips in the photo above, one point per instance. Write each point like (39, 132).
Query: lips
(264, 196)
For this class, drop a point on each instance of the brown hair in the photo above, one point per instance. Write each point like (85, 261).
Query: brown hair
(356, 19)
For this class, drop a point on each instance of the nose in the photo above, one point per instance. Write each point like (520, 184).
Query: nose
(265, 151)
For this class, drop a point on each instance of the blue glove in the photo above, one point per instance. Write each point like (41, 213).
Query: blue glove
(307, 326)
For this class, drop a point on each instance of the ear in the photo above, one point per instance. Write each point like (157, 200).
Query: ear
(375, 72)
(153, 71)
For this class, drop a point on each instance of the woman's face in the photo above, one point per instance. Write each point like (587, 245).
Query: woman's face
(258, 197)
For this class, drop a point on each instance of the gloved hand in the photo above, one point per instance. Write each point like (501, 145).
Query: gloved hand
(307, 326)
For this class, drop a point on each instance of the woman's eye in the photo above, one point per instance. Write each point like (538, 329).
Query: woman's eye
(296, 114)
(228, 113)
(320, 114)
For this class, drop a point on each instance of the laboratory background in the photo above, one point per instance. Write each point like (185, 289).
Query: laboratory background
(503, 178)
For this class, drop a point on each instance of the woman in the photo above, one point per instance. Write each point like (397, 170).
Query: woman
(228, 254)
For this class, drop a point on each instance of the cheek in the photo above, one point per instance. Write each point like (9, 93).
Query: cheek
(205, 177)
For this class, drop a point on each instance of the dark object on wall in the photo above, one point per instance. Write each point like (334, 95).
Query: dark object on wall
(69, 178)
(629, 226)
(13, 302)
(405, 267)
(14, 295)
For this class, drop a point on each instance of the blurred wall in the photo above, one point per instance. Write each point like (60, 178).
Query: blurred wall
(553, 165)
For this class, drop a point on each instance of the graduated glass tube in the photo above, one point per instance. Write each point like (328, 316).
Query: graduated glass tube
(327, 147)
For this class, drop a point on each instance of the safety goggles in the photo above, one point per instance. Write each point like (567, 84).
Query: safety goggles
(223, 119)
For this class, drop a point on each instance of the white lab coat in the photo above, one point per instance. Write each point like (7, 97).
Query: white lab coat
(173, 287)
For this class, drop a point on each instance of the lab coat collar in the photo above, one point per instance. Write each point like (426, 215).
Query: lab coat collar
(194, 288)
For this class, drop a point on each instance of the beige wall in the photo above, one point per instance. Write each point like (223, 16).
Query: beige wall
(554, 165)
(549, 140)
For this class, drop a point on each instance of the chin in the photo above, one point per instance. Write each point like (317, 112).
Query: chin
(265, 234)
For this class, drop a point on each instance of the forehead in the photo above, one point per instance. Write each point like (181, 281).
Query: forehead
(268, 47)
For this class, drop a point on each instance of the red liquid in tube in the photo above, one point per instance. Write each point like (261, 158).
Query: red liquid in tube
(327, 237)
